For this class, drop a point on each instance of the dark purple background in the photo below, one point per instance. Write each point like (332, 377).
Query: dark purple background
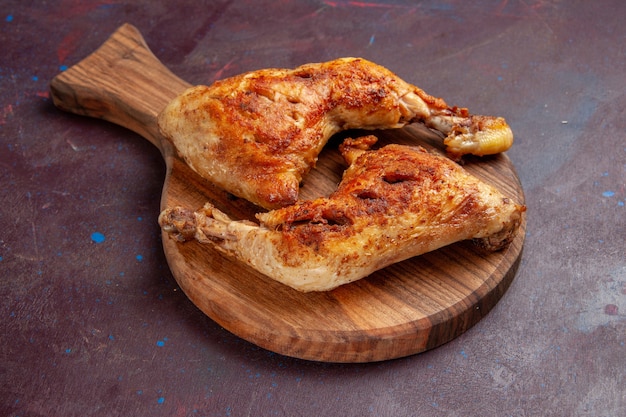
(92, 322)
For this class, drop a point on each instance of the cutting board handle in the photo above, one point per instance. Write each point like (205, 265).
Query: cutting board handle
(121, 82)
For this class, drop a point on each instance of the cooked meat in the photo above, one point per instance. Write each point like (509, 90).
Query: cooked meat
(393, 203)
(256, 134)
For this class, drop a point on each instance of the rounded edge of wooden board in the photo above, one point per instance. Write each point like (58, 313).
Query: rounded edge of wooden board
(327, 327)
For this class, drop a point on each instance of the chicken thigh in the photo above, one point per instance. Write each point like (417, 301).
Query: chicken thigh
(393, 203)
(257, 134)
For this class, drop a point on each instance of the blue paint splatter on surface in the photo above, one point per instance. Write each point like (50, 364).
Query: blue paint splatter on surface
(464, 354)
(0, 258)
(619, 203)
(68, 350)
(608, 194)
(111, 337)
(9, 18)
(161, 400)
(160, 343)
(139, 258)
(63, 68)
(98, 237)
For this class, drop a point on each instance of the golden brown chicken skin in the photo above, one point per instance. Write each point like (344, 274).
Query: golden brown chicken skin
(393, 203)
(257, 134)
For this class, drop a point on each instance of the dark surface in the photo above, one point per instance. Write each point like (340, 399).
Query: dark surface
(96, 325)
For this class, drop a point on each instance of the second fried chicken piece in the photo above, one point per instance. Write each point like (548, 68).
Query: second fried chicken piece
(392, 204)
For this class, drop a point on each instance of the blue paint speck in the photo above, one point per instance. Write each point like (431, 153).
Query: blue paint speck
(463, 354)
(372, 38)
(0, 258)
(139, 392)
(608, 194)
(619, 203)
(68, 350)
(9, 18)
(161, 400)
(139, 258)
(97, 237)
(111, 337)
(63, 68)
(160, 343)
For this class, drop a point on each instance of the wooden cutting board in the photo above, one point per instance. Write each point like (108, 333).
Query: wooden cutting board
(404, 309)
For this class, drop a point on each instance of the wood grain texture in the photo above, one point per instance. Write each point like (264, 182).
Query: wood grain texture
(401, 310)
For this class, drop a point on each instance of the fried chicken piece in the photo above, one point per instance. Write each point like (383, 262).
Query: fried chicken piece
(257, 134)
(392, 204)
